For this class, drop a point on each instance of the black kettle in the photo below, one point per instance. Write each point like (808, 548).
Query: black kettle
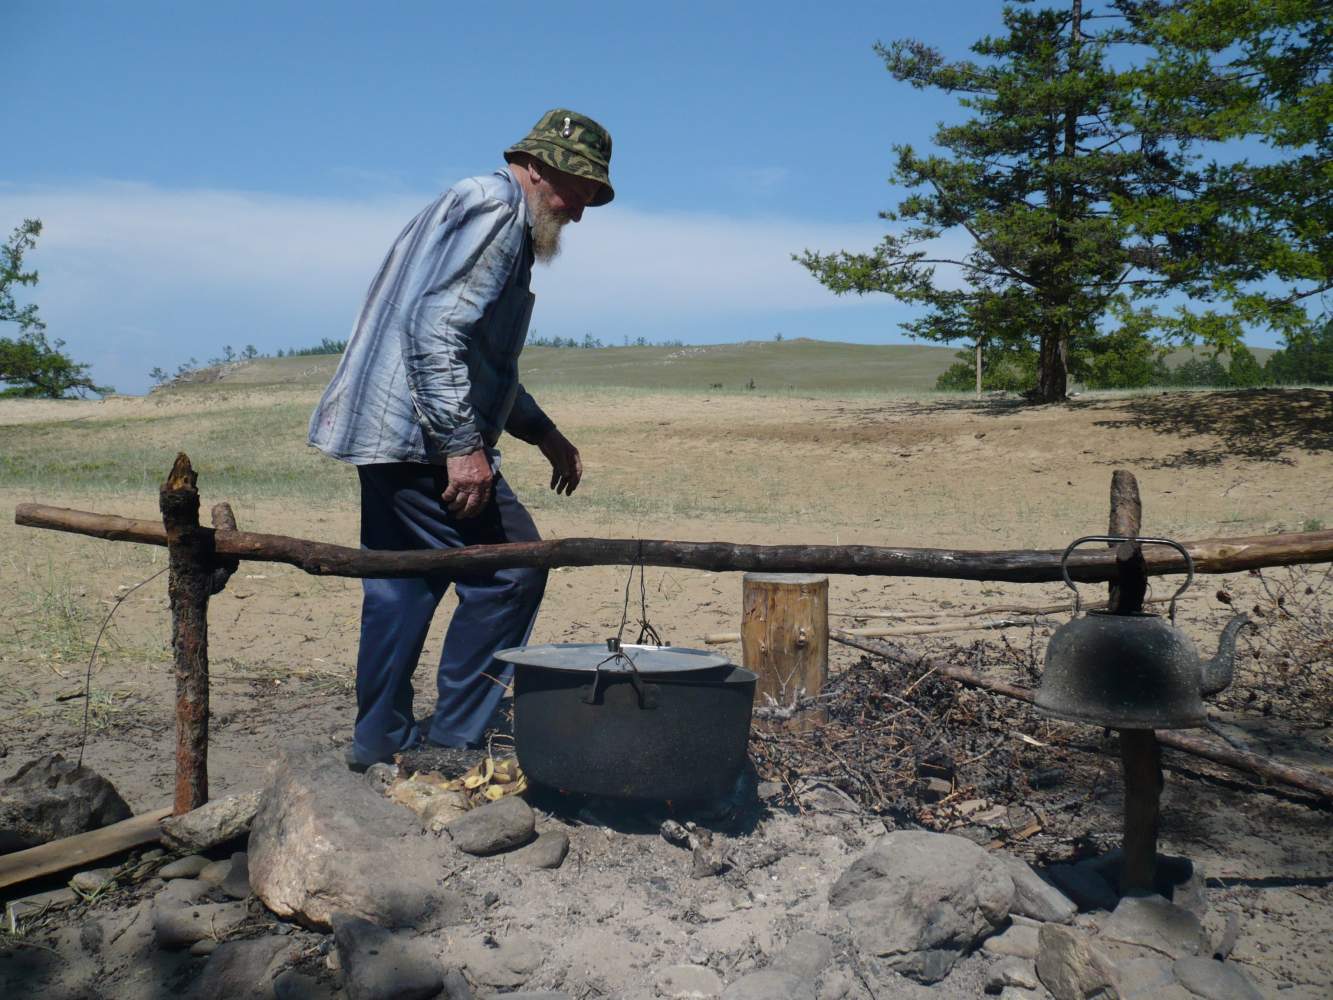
(1135, 671)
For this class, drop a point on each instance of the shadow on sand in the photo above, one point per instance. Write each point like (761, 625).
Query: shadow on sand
(1260, 425)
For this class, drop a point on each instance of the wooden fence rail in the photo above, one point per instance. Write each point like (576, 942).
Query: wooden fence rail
(1210, 555)
(202, 558)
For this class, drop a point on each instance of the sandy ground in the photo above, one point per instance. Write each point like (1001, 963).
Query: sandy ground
(735, 468)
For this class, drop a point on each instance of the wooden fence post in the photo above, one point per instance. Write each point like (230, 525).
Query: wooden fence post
(190, 555)
(784, 634)
(1140, 756)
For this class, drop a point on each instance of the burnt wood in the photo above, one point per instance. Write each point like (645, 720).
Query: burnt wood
(1213, 555)
(1140, 756)
(190, 558)
(1264, 767)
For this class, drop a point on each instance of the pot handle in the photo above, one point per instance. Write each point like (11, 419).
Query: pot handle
(646, 693)
(1189, 564)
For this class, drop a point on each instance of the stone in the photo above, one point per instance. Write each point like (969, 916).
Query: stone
(182, 926)
(50, 798)
(836, 985)
(182, 891)
(379, 965)
(294, 985)
(1070, 966)
(205, 947)
(547, 851)
(237, 883)
(1146, 978)
(1205, 977)
(456, 986)
(1085, 887)
(1034, 897)
(1152, 922)
(769, 984)
(530, 995)
(325, 842)
(502, 962)
(494, 827)
(211, 824)
(216, 872)
(93, 880)
(688, 982)
(822, 797)
(242, 970)
(187, 867)
(806, 955)
(919, 901)
(1019, 941)
(1012, 971)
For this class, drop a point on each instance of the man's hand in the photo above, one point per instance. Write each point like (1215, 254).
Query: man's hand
(566, 468)
(470, 483)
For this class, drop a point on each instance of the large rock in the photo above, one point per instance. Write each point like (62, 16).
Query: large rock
(1075, 964)
(211, 824)
(1071, 966)
(1214, 980)
(806, 955)
(769, 984)
(504, 962)
(1034, 897)
(919, 901)
(325, 842)
(242, 970)
(1152, 922)
(380, 966)
(547, 851)
(50, 798)
(181, 926)
(494, 827)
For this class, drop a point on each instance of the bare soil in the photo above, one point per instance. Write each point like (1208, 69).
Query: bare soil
(746, 468)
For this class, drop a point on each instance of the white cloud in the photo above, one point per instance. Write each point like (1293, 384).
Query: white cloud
(134, 275)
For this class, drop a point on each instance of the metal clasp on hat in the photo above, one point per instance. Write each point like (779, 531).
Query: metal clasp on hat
(568, 129)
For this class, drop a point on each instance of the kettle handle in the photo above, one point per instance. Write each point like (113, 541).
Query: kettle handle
(1189, 564)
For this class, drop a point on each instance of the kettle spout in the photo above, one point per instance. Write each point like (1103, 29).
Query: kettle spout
(1218, 671)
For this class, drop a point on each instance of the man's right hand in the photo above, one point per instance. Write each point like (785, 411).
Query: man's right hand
(470, 483)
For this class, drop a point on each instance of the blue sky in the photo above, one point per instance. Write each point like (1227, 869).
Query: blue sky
(233, 173)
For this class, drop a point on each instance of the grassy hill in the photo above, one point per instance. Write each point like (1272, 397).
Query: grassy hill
(790, 365)
(810, 365)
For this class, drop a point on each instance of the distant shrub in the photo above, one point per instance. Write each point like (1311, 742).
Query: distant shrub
(325, 346)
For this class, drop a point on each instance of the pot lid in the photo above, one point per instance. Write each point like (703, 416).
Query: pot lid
(591, 656)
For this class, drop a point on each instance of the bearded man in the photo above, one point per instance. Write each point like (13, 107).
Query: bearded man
(427, 383)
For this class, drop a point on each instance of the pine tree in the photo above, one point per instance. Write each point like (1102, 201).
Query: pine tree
(1229, 69)
(30, 365)
(1038, 178)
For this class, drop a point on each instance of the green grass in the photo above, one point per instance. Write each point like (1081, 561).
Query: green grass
(800, 365)
(243, 451)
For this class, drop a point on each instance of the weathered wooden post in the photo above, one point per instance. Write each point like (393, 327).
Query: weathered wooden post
(1140, 755)
(784, 635)
(190, 581)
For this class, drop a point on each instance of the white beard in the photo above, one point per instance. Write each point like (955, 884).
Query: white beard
(546, 229)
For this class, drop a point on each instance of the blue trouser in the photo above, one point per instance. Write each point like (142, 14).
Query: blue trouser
(401, 509)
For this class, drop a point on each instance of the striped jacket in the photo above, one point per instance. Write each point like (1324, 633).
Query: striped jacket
(431, 369)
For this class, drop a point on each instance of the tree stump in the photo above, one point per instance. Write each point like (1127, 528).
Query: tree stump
(784, 635)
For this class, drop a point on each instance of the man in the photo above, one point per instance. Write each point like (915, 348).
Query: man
(427, 383)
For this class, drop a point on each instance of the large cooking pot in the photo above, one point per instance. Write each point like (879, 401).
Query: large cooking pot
(631, 722)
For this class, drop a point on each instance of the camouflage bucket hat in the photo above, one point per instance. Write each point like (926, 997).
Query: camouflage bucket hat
(572, 143)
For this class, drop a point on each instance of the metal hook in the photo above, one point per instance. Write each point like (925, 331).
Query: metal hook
(1189, 564)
